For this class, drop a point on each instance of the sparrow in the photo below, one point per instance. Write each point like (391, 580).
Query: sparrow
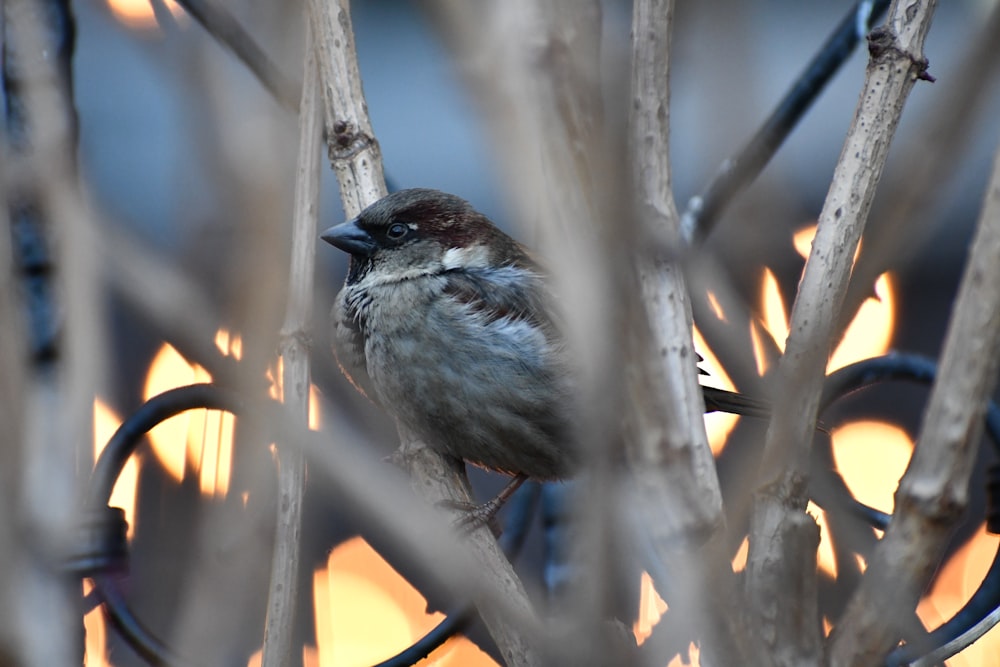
(448, 324)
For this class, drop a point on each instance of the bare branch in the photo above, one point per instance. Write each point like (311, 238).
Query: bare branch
(671, 459)
(778, 524)
(672, 405)
(934, 491)
(294, 354)
(59, 393)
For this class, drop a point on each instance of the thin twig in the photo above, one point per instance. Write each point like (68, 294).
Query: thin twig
(226, 30)
(934, 491)
(779, 525)
(294, 354)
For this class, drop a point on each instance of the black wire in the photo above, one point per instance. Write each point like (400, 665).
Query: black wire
(737, 172)
(106, 471)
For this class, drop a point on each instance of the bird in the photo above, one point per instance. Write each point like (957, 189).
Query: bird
(449, 325)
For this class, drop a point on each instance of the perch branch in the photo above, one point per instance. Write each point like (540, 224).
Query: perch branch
(779, 524)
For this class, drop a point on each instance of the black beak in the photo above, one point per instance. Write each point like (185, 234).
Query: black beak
(351, 239)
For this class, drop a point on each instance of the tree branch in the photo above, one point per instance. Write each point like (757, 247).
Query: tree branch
(294, 355)
(779, 525)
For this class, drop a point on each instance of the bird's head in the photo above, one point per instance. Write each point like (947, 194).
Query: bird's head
(418, 232)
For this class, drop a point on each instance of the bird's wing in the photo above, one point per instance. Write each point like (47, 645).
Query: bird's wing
(500, 294)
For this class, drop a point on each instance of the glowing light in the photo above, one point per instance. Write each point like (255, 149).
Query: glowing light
(803, 239)
(315, 413)
(956, 582)
(201, 438)
(276, 391)
(870, 332)
(872, 456)
(365, 611)
(138, 14)
(96, 645)
(106, 422)
(651, 609)
(775, 319)
(713, 302)
(718, 425)
(167, 371)
(826, 559)
(694, 659)
(760, 355)
(740, 558)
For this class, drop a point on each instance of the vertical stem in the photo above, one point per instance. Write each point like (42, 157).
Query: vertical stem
(53, 245)
(294, 354)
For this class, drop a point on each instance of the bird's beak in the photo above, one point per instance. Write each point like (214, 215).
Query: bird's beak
(351, 239)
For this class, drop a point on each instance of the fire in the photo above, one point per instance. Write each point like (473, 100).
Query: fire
(365, 612)
(138, 14)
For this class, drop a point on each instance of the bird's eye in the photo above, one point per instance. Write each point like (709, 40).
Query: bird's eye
(397, 230)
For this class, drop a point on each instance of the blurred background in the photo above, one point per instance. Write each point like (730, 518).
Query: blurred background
(187, 158)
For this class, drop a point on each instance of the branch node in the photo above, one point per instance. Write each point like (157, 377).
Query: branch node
(882, 42)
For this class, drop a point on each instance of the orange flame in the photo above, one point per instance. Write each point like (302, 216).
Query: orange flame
(365, 611)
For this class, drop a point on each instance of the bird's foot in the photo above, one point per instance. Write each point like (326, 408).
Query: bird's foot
(484, 514)
(475, 515)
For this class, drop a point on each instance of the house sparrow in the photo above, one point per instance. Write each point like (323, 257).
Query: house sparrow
(447, 323)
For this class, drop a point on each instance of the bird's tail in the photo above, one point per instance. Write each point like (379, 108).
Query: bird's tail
(720, 400)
